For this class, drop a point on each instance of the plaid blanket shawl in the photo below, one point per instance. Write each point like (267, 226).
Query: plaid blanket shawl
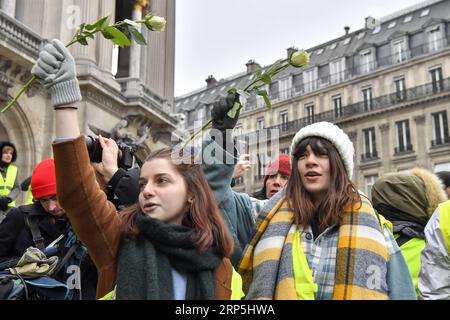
(361, 262)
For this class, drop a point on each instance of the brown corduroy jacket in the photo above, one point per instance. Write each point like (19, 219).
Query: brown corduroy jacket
(96, 221)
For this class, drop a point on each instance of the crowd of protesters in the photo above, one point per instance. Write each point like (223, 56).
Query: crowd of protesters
(175, 229)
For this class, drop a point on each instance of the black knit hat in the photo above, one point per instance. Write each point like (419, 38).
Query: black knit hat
(445, 177)
(9, 144)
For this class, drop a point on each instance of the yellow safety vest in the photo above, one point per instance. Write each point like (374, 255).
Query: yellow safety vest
(29, 196)
(411, 251)
(7, 185)
(444, 222)
(305, 287)
(236, 289)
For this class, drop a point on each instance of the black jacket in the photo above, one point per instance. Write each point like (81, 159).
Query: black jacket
(15, 235)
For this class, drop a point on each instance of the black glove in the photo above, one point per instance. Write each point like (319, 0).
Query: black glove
(4, 203)
(221, 106)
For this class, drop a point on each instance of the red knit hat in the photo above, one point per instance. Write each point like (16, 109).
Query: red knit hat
(281, 164)
(43, 179)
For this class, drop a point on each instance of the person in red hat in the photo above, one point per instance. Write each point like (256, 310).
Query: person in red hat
(41, 223)
(275, 178)
(45, 212)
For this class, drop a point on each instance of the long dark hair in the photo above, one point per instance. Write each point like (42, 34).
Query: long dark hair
(341, 193)
(204, 215)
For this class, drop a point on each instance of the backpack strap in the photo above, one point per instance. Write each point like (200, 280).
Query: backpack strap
(32, 222)
(69, 253)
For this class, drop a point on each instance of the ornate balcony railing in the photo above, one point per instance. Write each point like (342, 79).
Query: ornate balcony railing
(19, 35)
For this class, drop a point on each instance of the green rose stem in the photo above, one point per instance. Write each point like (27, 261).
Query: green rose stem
(297, 59)
(101, 28)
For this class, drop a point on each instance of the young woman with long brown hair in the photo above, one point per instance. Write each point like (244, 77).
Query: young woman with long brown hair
(172, 244)
(320, 238)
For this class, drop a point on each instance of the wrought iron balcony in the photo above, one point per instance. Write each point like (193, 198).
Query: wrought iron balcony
(440, 141)
(369, 156)
(378, 103)
(403, 149)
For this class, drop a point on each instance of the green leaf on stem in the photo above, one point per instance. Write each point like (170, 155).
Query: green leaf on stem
(82, 40)
(233, 111)
(261, 92)
(90, 27)
(102, 23)
(267, 101)
(107, 35)
(137, 36)
(88, 35)
(273, 68)
(117, 36)
(266, 78)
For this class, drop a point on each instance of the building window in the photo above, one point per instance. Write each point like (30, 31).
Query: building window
(366, 61)
(369, 182)
(260, 124)
(425, 12)
(310, 80)
(436, 79)
(440, 128)
(337, 71)
(399, 52)
(310, 113)
(367, 99)
(400, 89)
(407, 18)
(285, 87)
(403, 137)
(377, 29)
(435, 38)
(337, 103)
(370, 150)
(392, 24)
(284, 120)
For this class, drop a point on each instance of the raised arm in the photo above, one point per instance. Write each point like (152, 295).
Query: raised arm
(93, 218)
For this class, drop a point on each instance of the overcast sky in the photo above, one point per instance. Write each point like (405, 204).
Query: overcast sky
(219, 36)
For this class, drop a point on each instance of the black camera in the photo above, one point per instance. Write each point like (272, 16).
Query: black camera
(124, 159)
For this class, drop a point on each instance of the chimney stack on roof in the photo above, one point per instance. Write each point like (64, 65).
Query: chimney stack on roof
(210, 81)
(347, 30)
(252, 66)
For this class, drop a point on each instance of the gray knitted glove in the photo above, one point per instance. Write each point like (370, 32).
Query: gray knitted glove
(56, 70)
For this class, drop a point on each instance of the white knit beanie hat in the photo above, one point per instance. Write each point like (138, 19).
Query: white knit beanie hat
(332, 133)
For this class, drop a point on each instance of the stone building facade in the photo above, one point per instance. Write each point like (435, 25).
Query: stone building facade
(132, 86)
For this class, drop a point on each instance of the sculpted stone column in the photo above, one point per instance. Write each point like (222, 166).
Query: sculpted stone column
(9, 7)
(135, 53)
(86, 55)
(104, 46)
